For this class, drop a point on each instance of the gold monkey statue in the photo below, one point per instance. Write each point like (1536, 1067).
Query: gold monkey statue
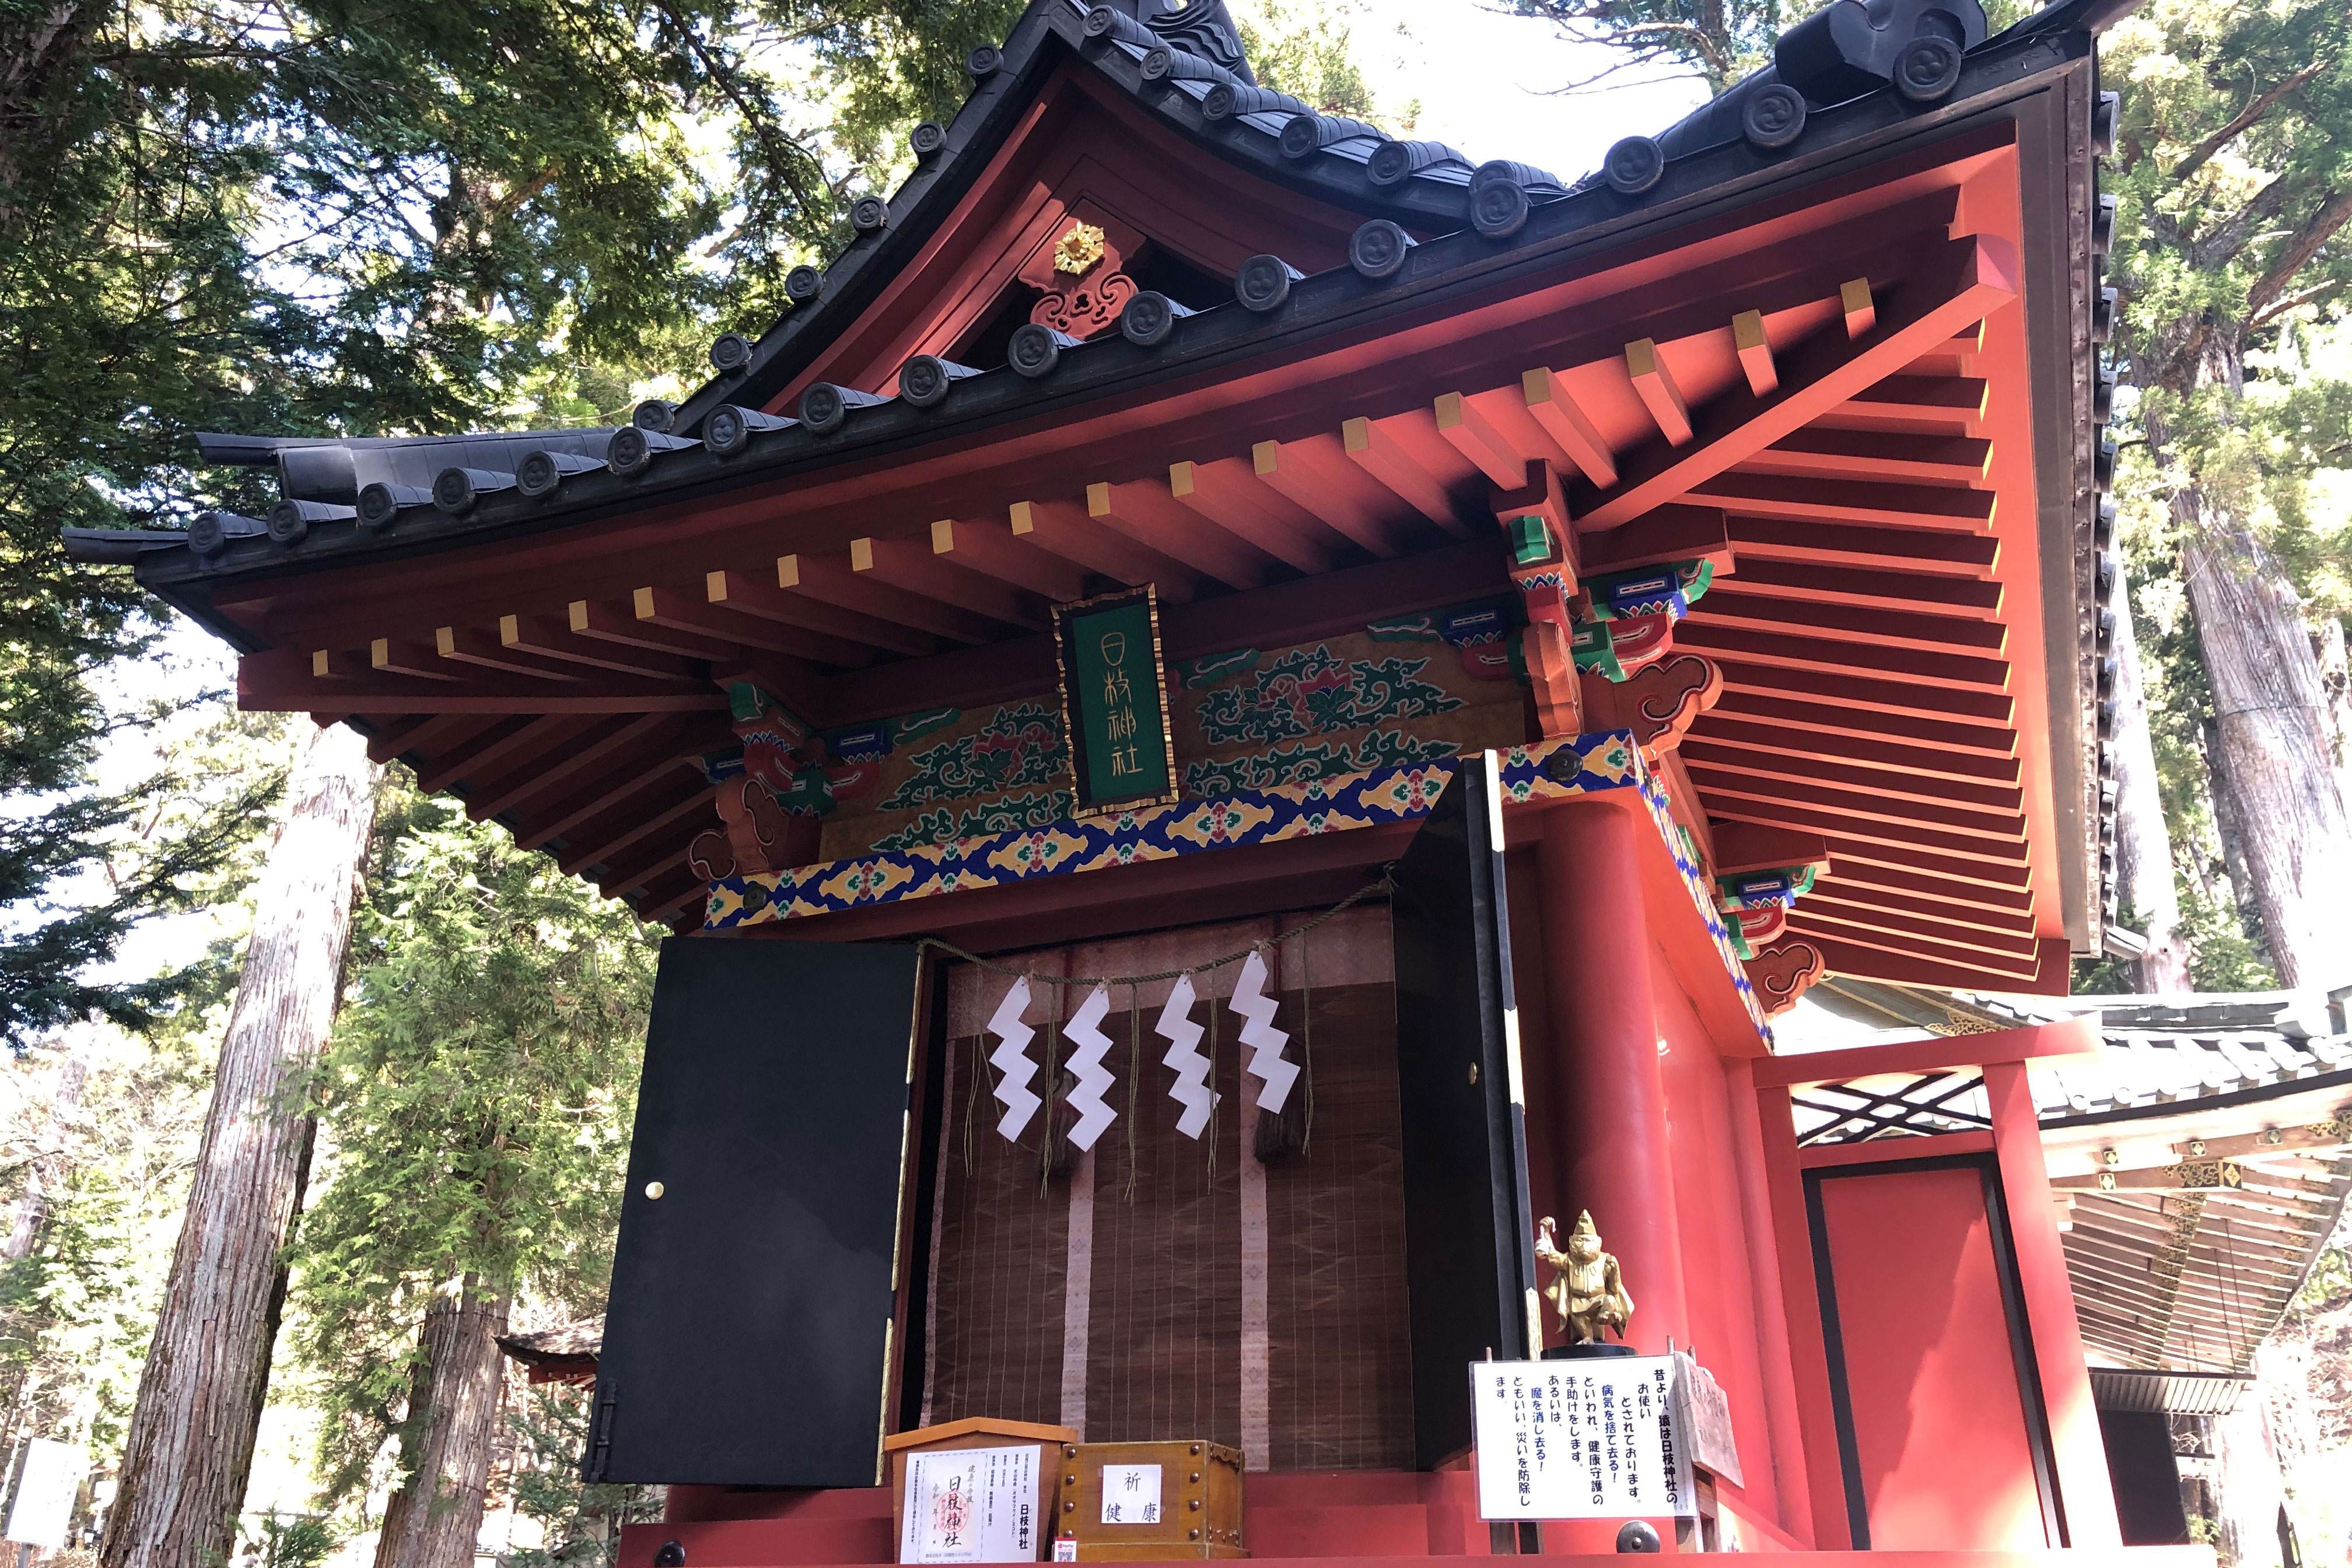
(1587, 1289)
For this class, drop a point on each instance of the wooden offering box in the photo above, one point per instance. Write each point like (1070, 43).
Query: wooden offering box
(1148, 1503)
(980, 1432)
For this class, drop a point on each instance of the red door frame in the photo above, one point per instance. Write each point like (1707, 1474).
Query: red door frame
(2077, 1459)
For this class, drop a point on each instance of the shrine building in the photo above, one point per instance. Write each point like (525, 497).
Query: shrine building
(1230, 712)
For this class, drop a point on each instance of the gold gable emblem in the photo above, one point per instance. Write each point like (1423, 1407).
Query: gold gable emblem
(1079, 249)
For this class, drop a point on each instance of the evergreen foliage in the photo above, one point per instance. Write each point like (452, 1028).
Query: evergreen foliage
(2233, 174)
(363, 216)
(1308, 52)
(474, 1108)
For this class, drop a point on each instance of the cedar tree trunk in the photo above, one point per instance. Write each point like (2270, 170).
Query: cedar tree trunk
(2143, 847)
(441, 1514)
(2277, 777)
(192, 1434)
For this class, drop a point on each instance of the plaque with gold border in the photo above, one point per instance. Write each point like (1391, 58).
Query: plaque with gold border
(1117, 726)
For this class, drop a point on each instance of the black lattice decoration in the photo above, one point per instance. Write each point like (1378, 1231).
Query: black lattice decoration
(1920, 1107)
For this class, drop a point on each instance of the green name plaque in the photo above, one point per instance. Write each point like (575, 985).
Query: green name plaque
(1115, 701)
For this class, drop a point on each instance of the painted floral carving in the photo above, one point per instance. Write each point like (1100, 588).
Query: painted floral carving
(1020, 745)
(1313, 691)
(946, 825)
(1306, 761)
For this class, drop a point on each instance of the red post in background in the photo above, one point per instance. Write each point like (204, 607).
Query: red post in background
(2076, 1451)
(1613, 1107)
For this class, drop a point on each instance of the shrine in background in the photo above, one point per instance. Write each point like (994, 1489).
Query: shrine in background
(1230, 712)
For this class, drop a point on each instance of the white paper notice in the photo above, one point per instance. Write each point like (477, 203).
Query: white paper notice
(970, 1505)
(44, 1493)
(1598, 1438)
(1131, 1494)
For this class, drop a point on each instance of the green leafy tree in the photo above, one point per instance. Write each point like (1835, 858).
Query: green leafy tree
(2233, 171)
(365, 217)
(1717, 41)
(1310, 53)
(476, 1106)
(580, 1522)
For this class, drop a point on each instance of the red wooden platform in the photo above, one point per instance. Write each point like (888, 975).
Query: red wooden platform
(1362, 1519)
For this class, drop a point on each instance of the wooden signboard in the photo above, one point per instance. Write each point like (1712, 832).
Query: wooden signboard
(980, 1433)
(1115, 701)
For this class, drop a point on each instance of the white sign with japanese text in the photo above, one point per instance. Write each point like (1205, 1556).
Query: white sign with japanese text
(970, 1505)
(1131, 1494)
(1596, 1438)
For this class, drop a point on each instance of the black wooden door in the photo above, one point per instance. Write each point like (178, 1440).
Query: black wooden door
(749, 1325)
(1469, 1263)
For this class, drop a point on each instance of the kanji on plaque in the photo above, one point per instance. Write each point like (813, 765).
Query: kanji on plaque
(1114, 700)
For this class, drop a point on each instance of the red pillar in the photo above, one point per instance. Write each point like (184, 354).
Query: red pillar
(2077, 1452)
(1612, 1105)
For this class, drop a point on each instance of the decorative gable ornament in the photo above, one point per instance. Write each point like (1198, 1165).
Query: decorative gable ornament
(1077, 268)
(1078, 251)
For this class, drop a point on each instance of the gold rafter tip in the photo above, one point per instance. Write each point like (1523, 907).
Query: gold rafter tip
(861, 555)
(943, 536)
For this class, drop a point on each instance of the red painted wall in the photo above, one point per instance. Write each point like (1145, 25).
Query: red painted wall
(1944, 1459)
(1718, 1275)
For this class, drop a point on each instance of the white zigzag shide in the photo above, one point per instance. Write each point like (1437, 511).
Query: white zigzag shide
(1259, 1034)
(1085, 1064)
(1190, 1088)
(1013, 1061)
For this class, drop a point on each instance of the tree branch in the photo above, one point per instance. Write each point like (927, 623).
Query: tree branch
(2233, 236)
(2244, 119)
(785, 158)
(2333, 214)
(2264, 318)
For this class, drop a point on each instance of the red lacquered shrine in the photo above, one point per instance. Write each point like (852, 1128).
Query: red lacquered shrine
(1231, 711)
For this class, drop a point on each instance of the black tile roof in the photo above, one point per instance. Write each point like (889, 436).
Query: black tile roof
(1842, 84)
(1425, 186)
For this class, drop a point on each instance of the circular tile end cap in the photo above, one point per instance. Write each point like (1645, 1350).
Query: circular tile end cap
(1634, 165)
(1773, 116)
(1498, 210)
(1378, 248)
